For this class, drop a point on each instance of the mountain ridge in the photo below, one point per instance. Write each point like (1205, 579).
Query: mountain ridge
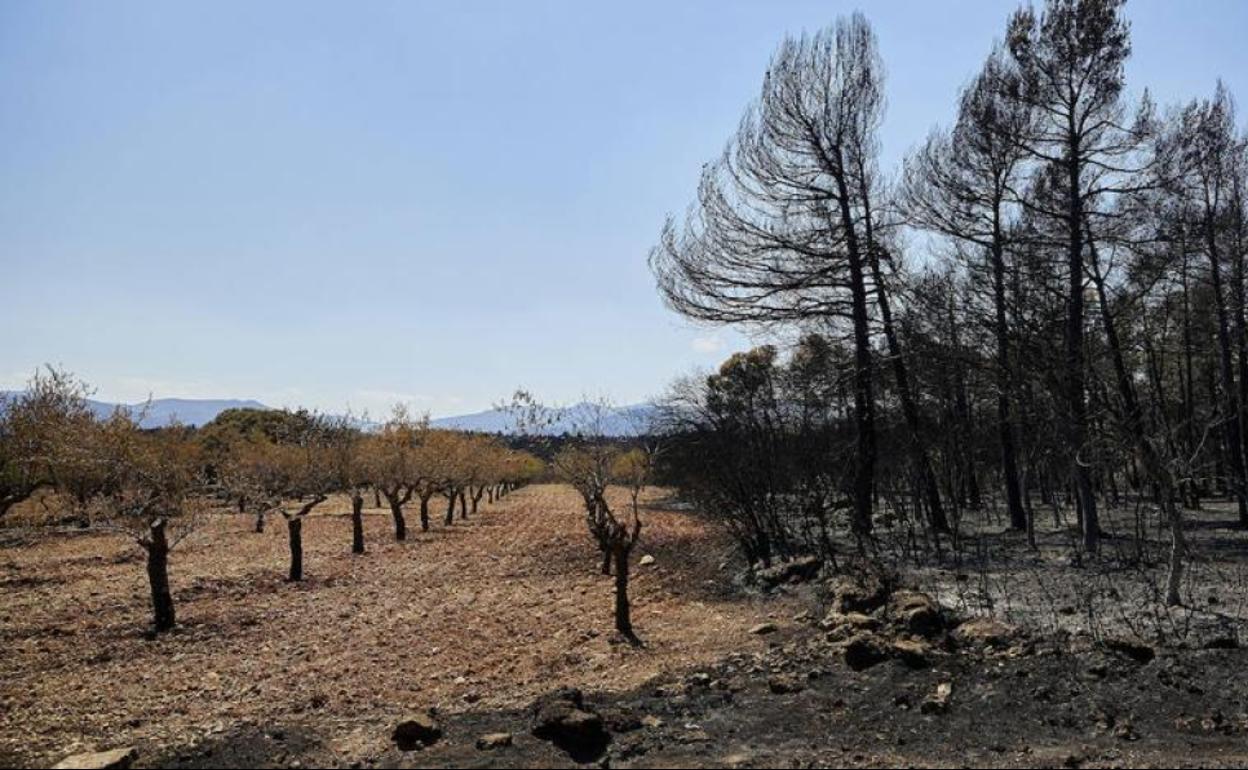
(586, 418)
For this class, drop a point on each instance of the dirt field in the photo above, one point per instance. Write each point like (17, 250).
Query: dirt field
(483, 615)
(476, 620)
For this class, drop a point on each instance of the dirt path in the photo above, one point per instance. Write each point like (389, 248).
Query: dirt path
(482, 615)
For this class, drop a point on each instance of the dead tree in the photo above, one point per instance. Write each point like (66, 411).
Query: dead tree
(960, 185)
(778, 234)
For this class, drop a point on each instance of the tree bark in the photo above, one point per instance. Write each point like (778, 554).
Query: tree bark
(294, 528)
(357, 523)
(1234, 437)
(1077, 427)
(910, 410)
(864, 394)
(424, 512)
(623, 610)
(400, 523)
(1005, 424)
(157, 546)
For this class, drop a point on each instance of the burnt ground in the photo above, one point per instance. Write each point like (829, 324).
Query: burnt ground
(1046, 703)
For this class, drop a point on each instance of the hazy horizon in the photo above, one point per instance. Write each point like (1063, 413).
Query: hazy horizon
(337, 206)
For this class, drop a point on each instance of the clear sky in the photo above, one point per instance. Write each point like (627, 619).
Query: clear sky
(332, 204)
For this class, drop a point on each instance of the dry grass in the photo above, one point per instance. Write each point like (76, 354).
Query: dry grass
(484, 614)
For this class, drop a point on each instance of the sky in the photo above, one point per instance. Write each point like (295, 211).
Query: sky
(350, 204)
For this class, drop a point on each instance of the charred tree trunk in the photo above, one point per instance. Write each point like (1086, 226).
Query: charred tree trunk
(864, 394)
(1154, 465)
(909, 409)
(1230, 393)
(1005, 423)
(1077, 422)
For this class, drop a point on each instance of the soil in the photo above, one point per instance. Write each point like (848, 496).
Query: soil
(476, 621)
(487, 613)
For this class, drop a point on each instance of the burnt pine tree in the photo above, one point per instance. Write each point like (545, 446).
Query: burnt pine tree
(1069, 62)
(959, 185)
(777, 234)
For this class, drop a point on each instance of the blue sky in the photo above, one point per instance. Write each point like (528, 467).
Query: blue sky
(333, 204)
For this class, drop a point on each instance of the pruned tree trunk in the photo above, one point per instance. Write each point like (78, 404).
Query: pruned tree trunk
(294, 528)
(623, 610)
(357, 523)
(424, 512)
(157, 546)
(400, 524)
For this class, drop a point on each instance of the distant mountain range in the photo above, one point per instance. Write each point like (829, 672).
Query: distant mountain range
(159, 412)
(582, 418)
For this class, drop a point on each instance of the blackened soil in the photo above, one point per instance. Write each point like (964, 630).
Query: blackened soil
(1044, 704)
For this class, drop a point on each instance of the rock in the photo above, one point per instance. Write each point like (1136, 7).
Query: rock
(699, 679)
(915, 655)
(492, 741)
(798, 570)
(1137, 651)
(646, 560)
(916, 613)
(1126, 732)
(563, 718)
(864, 594)
(864, 651)
(938, 701)
(851, 620)
(652, 722)
(983, 632)
(416, 731)
(763, 628)
(782, 684)
(696, 735)
(113, 759)
(620, 720)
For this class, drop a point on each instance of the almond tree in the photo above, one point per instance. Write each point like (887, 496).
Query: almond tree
(350, 472)
(591, 465)
(590, 470)
(159, 493)
(306, 471)
(34, 424)
(391, 454)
